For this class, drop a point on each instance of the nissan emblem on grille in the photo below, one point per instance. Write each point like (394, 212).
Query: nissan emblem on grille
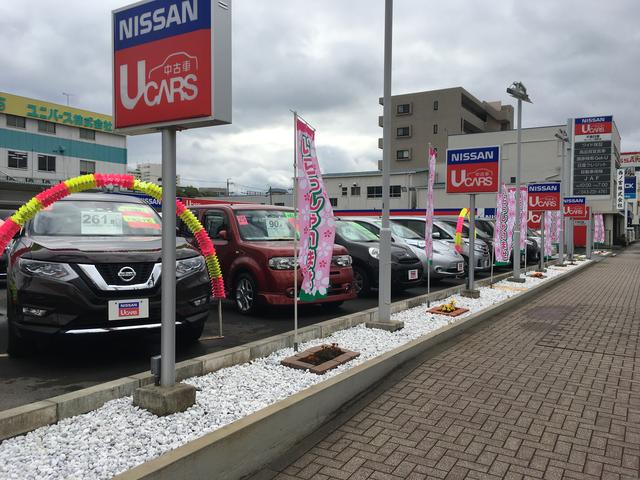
(126, 274)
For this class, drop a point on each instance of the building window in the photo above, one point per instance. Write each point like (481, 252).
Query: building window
(333, 201)
(435, 104)
(344, 191)
(403, 155)
(404, 109)
(46, 163)
(17, 159)
(87, 167)
(395, 191)
(86, 134)
(403, 132)
(435, 128)
(46, 127)
(16, 122)
(513, 180)
(355, 191)
(374, 192)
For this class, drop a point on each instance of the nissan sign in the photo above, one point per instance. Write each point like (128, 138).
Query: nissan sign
(171, 64)
(575, 207)
(473, 170)
(544, 196)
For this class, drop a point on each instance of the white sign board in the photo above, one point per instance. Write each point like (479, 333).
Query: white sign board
(620, 188)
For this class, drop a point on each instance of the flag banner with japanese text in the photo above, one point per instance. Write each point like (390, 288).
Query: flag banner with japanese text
(502, 239)
(524, 213)
(548, 229)
(316, 223)
(556, 218)
(428, 226)
(598, 234)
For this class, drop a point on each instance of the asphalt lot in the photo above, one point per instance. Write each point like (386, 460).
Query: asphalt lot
(69, 364)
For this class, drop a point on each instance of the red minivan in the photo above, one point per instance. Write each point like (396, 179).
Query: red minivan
(254, 244)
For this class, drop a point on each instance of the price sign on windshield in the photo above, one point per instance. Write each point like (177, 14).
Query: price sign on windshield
(277, 228)
(100, 223)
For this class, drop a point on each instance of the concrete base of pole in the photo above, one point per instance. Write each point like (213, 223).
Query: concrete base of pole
(388, 326)
(470, 293)
(516, 280)
(163, 401)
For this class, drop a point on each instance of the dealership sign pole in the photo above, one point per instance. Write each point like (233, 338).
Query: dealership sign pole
(543, 197)
(171, 70)
(472, 171)
(629, 194)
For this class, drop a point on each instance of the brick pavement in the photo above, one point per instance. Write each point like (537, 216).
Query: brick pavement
(550, 390)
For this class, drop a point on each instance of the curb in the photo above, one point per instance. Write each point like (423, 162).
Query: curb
(248, 444)
(25, 418)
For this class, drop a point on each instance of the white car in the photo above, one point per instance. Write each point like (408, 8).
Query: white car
(446, 261)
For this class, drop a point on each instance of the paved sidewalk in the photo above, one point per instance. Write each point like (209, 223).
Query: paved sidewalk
(551, 390)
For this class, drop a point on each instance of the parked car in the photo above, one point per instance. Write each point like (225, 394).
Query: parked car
(4, 214)
(90, 264)
(255, 248)
(533, 243)
(446, 262)
(364, 247)
(443, 231)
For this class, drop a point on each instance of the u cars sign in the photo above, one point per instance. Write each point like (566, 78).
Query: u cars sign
(544, 196)
(473, 170)
(172, 64)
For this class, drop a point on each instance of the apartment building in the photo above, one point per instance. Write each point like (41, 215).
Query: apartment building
(151, 172)
(431, 117)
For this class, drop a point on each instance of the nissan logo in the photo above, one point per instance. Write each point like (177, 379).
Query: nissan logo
(126, 274)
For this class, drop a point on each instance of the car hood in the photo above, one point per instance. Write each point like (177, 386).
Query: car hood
(101, 249)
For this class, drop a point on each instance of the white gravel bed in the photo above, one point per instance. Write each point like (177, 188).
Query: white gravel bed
(119, 436)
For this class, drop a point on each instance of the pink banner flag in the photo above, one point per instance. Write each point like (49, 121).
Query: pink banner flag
(598, 234)
(502, 238)
(428, 226)
(548, 228)
(316, 223)
(524, 213)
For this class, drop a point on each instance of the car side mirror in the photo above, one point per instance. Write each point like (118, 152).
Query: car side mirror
(435, 235)
(223, 235)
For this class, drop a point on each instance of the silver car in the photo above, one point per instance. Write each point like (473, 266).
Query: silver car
(446, 261)
(443, 231)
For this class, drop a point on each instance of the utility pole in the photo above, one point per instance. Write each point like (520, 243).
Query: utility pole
(228, 183)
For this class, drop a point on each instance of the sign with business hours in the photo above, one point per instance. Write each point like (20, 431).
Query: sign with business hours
(473, 170)
(630, 188)
(544, 196)
(592, 158)
(620, 189)
(575, 207)
(171, 64)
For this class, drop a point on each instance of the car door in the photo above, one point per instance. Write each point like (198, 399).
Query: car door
(214, 222)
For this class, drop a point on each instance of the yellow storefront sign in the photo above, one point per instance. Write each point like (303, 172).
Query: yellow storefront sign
(53, 112)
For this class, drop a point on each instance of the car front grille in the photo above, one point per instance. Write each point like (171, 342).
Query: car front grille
(109, 272)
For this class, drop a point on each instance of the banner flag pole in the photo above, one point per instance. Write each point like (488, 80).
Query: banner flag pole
(220, 318)
(295, 233)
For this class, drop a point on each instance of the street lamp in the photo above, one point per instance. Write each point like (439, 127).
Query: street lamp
(519, 91)
(564, 138)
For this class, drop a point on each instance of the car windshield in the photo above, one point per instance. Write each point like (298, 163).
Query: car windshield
(265, 225)
(486, 227)
(355, 232)
(449, 230)
(96, 218)
(400, 231)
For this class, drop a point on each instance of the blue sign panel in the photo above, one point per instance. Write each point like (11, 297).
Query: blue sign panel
(473, 155)
(553, 187)
(575, 201)
(630, 186)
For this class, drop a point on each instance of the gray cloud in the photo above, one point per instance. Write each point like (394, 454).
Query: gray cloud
(325, 60)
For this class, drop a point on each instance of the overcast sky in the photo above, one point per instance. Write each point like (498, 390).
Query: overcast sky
(324, 59)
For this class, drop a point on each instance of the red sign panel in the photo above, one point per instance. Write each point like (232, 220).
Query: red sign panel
(576, 211)
(534, 220)
(473, 170)
(593, 128)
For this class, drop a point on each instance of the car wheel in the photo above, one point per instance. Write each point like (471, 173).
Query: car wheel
(246, 293)
(361, 282)
(191, 332)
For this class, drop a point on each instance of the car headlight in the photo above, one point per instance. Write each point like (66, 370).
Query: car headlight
(189, 265)
(374, 252)
(58, 271)
(282, 263)
(341, 260)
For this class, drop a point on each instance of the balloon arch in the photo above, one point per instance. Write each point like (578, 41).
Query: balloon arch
(97, 180)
